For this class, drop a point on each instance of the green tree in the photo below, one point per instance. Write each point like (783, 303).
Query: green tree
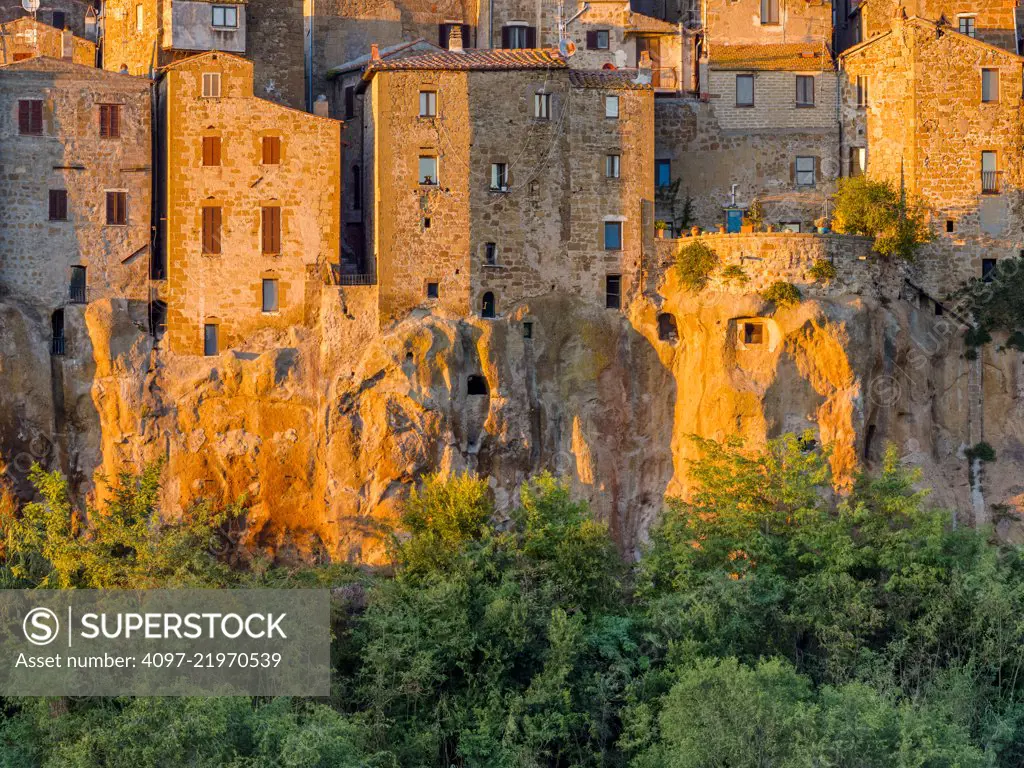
(897, 222)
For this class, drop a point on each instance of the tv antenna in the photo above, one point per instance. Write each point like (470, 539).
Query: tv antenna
(31, 6)
(566, 47)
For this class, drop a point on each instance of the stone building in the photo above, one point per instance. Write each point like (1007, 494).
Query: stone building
(250, 199)
(145, 35)
(75, 187)
(498, 176)
(80, 16)
(26, 37)
(955, 147)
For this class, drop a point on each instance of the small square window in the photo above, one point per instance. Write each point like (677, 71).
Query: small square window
(426, 222)
(499, 177)
(790, 226)
(211, 150)
(967, 25)
(611, 107)
(527, 330)
(769, 11)
(990, 86)
(744, 90)
(805, 171)
(613, 292)
(542, 106)
(270, 295)
(59, 19)
(858, 161)
(428, 103)
(433, 290)
(753, 333)
(117, 208)
(211, 85)
(613, 235)
(225, 16)
(30, 117)
(602, 39)
(611, 166)
(110, 121)
(428, 170)
(950, 226)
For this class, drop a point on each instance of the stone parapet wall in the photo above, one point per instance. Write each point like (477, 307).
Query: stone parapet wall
(788, 256)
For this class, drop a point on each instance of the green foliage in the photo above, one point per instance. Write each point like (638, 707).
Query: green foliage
(695, 262)
(782, 294)
(877, 209)
(981, 451)
(735, 272)
(661, 224)
(823, 271)
(995, 304)
(755, 215)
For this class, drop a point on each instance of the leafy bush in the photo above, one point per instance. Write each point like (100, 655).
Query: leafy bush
(695, 263)
(981, 451)
(823, 270)
(878, 210)
(755, 215)
(735, 272)
(995, 304)
(782, 294)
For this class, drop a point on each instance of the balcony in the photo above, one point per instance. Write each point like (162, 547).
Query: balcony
(991, 183)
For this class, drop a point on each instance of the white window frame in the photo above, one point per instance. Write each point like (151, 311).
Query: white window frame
(277, 295)
(420, 176)
(612, 166)
(211, 85)
(140, 18)
(428, 103)
(798, 171)
(961, 18)
(229, 16)
(499, 177)
(611, 106)
(993, 87)
(517, 35)
(542, 105)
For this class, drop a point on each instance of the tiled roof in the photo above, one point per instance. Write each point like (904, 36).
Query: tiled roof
(51, 66)
(784, 56)
(473, 59)
(410, 48)
(618, 79)
(639, 23)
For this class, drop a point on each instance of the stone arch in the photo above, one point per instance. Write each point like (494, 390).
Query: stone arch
(488, 306)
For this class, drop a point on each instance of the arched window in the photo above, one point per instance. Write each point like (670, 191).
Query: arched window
(487, 305)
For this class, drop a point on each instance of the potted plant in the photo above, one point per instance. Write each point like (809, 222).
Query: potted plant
(755, 215)
(746, 225)
(695, 231)
(769, 228)
(722, 229)
(659, 229)
(822, 224)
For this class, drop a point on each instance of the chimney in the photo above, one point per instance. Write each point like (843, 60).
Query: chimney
(455, 38)
(374, 52)
(67, 45)
(321, 106)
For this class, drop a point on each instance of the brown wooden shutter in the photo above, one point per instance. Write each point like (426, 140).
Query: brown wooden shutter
(104, 122)
(110, 207)
(115, 121)
(350, 101)
(211, 150)
(271, 229)
(591, 41)
(122, 207)
(505, 37)
(271, 150)
(531, 37)
(23, 117)
(58, 205)
(211, 229)
(30, 117)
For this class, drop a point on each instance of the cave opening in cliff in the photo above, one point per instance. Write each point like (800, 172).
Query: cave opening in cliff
(476, 385)
(667, 328)
(753, 333)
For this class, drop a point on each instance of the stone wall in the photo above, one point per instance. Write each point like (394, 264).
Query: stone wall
(993, 20)
(25, 38)
(774, 102)
(225, 288)
(739, 22)
(124, 44)
(36, 254)
(74, 14)
(275, 43)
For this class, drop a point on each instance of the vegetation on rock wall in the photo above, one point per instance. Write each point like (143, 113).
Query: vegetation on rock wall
(877, 209)
(782, 294)
(770, 622)
(996, 303)
(695, 262)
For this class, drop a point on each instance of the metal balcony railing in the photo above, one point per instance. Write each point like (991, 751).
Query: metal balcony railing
(990, 182)
(78, 294)
(58, 346)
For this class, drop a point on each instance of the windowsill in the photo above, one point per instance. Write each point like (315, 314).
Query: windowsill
(770, 24)
(428, 186)
(215, 28)
(744, 106)
(613, 179)
(125, 225)
(58, 221)
(495, 266)
(498, 191)
(271, 312)
(275, 253)
(805, 106)
(425, 118)
(613, 250)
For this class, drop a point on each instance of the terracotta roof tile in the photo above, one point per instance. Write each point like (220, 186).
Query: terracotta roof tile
(473, 59)
(781, 57)
(618, 79)
(639, 23)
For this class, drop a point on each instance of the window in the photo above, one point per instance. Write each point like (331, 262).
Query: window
(769, 11)
(744, 90)
(491, 254)
(542, 106)
(989, 173)
(528, 330)
(662, 173)
(225, 16)
(357, 188)
(58, 205)
(597, 40)
(426, 222)
(59, 19)
(487, 306)
(805, 90)
(613, 235)
(862, 91)
(211, 344)
(428, 170)
(433, 290)
(950, 226)
(967, 25)
(611, 166)
(30, 117)
(140, 19)
(350, 102)
(428, 103)
(988, 270)
(790, 226)
(271, 229)
(271, 150)
(57, 329)
(117, 208)
(211, 85)
(518, 36)
(211, 150)
(989, 85)
(77, 289)
(211, 229)
(613, 292)
(110, 121)
(611, 106)
(270, 294)
(805, 171)
(858, 161)
(499, 177)
(753, 333)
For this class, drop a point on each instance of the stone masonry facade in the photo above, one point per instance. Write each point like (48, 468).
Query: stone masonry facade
(25, 38)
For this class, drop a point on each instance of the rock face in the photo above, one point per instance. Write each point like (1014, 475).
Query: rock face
(324, 434)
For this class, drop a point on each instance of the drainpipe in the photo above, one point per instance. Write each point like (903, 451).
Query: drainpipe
(309, 56)
(490, 24)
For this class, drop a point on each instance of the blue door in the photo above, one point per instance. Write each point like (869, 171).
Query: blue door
(733, 220)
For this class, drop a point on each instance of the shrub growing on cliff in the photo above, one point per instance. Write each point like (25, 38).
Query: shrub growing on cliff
(695, 263)
(878, 210)
(995, 303)
(735, 272)
(823, 270)
(782, 294)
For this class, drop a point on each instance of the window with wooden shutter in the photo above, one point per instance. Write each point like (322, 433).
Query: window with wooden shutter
(271, 229)
(271, 150)
(211, 150)
(211, 229)
(30, 117)
(58, 205)
(110, 121)
(117, 208)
